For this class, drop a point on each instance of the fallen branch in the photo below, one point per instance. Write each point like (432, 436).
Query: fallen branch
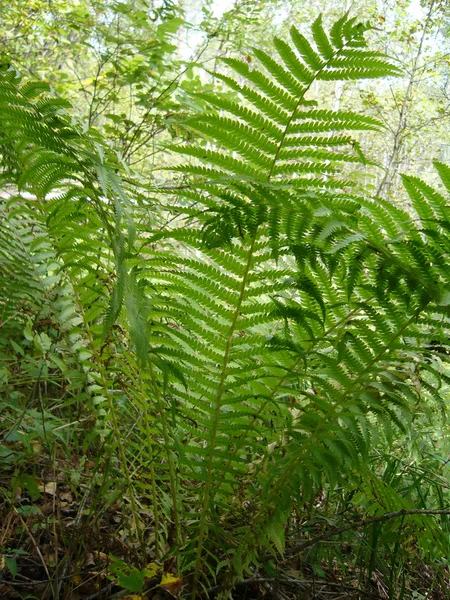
(293, 581)
(362, 523)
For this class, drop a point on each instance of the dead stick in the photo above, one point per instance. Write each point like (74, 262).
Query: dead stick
(362, 523)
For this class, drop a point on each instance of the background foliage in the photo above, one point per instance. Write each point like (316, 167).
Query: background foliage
(223, 324)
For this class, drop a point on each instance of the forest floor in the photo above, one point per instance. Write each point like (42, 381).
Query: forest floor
(58, 537)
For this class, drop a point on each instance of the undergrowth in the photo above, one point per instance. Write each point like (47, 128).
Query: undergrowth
(235, 385)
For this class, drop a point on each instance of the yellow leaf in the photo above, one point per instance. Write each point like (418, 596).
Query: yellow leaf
(152, 569)
(36, 446)
(171, 584)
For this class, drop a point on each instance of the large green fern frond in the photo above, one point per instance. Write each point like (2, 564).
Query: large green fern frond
(297, 307)
(269, 184)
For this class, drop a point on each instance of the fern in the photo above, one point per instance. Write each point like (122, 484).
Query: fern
(282, 186)
(278, 317)
(306, 350)
(82, 212)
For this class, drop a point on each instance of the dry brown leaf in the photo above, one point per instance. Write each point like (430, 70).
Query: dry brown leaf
(49, 487)
(100, 556)
(89, 560)
(47, 508)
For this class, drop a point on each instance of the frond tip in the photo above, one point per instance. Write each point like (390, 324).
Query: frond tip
(275, 133)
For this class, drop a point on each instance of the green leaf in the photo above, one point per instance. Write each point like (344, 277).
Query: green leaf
(133, 580)
(11, 563)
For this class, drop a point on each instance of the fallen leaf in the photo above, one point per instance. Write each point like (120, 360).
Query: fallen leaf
(49, 487)
(89, 560)
(152, 569)
(171, 584)
(36, 446)
(66, 497)
(100, 556)
(47, 508)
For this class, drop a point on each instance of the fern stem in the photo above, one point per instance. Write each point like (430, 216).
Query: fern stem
(214, 426)
(120, 446)
(125, 469)
(170, 463)
(205, 503)
(152, 470)
(116, 429)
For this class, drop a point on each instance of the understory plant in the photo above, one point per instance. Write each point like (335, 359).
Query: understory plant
(247, 338)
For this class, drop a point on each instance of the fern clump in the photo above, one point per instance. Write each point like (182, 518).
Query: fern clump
(299, 292)
(275, 328)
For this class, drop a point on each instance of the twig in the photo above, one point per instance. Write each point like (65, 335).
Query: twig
(293, 581)
(362, 523)
(76, 524)
(100, 592)
(36, 547)
(108, 588)
(28, 582)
